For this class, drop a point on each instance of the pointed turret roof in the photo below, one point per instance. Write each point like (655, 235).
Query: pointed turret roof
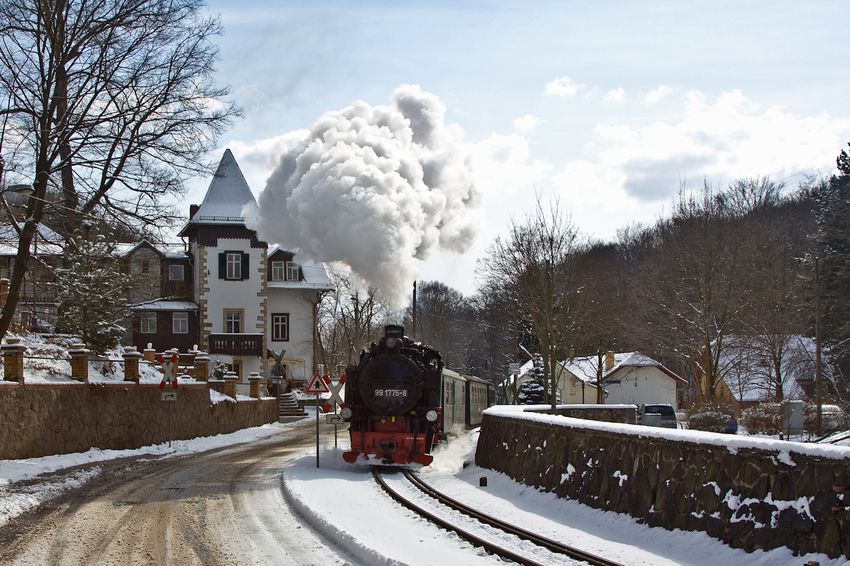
(227, 194)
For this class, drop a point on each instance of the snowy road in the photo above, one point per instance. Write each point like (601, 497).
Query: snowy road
(214, 508)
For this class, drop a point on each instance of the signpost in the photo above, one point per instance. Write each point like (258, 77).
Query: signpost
(168, 377)
(336, 399)
(318, 386)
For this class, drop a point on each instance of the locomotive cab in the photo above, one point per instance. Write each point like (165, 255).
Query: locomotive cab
(392, 401)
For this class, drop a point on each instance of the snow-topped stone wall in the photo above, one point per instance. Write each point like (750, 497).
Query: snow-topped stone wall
(751, 493)
(45, 419)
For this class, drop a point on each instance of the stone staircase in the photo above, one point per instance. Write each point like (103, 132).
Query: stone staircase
(289, 408)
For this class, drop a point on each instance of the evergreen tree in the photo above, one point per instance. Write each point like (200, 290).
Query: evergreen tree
(92, 289)
(532, 391)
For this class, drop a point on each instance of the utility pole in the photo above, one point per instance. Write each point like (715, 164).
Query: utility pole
(818, 360)
(413, 330)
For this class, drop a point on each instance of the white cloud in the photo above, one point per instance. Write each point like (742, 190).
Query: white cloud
(618, 95)
(563, 86)
(655, 95)
(731, 138)
(501, 164)
(526, 123)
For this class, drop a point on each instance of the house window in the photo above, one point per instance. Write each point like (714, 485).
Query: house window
(233, 321)
(175, 273)
(280, 327)
(180, 323)
(277, 271)
(292, 271)
(148, 323)
(146, 267)
(233, 266)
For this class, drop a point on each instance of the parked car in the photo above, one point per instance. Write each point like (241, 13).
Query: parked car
(656, 415)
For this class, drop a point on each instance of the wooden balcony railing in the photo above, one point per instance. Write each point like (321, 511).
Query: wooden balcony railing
(236, 344)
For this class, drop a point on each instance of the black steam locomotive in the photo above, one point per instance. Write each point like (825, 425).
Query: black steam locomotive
(392, 401)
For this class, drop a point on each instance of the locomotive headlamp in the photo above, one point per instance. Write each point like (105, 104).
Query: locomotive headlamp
(391, 342)
(346, 413)
(431, 415)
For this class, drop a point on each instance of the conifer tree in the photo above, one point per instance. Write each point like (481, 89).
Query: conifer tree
(92, 289)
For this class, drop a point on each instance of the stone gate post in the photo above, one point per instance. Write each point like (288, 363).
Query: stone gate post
(13, 360)
(79, 362)
(131, 364)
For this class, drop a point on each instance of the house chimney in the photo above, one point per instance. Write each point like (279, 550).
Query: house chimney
(609, 360)
(193, 209)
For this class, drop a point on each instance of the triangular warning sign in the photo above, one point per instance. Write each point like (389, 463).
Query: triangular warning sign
(317, 385)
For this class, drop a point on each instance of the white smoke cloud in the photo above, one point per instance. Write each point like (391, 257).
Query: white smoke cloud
(376, 188)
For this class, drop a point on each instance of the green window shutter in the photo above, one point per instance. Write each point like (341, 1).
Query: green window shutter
(245, 273)
(222, 265)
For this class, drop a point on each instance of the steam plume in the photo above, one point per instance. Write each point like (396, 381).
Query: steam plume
(377, 188)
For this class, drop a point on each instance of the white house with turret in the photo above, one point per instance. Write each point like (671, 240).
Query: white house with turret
(247, 298)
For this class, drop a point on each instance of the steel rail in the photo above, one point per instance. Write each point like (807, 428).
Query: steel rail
(553, 546)
(473, 539)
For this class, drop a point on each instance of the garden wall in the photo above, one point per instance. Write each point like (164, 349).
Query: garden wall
(40, 420)
(751, 493)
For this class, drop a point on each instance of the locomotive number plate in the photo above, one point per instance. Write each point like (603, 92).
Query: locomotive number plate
(390, 392)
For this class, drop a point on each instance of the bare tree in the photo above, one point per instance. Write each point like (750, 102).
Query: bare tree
(691, 284)
(444, 320)
(539, 263)
(349, 319)
(110, 106)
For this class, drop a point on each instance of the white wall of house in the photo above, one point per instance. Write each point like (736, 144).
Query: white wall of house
(298, 303)
(571, 390)
(244, 295)
(640, 385)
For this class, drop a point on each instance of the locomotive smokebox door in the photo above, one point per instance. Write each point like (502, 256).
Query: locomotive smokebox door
(391, 385)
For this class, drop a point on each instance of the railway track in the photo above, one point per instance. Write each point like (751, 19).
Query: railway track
(552, 546)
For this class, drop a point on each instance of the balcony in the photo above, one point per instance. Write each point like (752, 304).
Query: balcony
(236, 344)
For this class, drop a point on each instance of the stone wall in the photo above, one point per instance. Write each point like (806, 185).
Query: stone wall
(750, 493)
(40, 420)
(626, 414)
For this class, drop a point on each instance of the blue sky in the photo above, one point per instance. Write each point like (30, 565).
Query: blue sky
(610, 106)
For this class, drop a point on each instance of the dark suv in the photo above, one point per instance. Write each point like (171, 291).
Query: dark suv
(656, 415)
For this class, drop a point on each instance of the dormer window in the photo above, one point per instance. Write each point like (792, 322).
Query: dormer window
(292, 271)
(278, 273)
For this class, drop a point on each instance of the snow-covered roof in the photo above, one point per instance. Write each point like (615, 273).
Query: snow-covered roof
(174, 250)
(165, 305)
(584, 367)
(315, 277)
(227, 194)
(47, 242)
(749, 375)
(637, 360)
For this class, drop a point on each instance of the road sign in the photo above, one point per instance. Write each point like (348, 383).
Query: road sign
(335, 390)
(514, 369)
(168, 367)
(334, 419)
(169, 395)
(317, 385)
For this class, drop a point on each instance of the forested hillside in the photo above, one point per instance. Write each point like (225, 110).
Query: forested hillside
(725, 284)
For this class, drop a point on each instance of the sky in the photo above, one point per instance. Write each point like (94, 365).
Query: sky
(609, 107)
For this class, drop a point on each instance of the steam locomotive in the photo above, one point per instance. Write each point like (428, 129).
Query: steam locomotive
(392, 401)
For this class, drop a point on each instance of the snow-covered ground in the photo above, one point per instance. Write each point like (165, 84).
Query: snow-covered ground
(344, 505)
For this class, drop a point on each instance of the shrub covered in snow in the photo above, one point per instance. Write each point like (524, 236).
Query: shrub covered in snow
(710, 417)
(763, 418)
